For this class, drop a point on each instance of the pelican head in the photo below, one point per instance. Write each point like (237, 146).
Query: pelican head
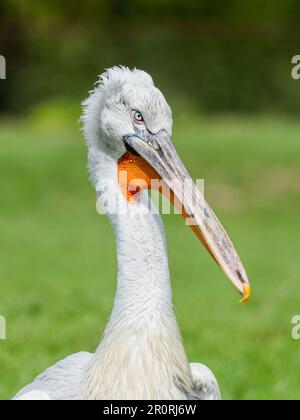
(128, 122)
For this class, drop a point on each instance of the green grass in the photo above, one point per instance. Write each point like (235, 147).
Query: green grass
(58, 263)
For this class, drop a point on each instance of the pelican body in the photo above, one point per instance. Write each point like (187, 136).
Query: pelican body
(128, 126)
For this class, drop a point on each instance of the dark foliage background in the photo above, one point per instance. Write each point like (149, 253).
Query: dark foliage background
(214, 56)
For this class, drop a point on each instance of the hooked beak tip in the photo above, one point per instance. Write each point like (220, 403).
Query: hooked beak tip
(246, 294)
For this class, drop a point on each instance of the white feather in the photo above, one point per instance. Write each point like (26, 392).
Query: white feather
(34, 396)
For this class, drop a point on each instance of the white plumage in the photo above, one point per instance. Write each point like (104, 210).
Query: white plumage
(62, 381)
(141, 355)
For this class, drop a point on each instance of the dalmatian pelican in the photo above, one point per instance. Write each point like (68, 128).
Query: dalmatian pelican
(128, 126)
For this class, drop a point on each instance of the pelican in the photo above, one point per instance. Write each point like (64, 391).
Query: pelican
(127, 125)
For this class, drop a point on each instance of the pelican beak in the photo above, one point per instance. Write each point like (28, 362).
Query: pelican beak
(160, 154)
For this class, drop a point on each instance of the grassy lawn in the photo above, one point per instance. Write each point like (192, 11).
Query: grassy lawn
(58, 263)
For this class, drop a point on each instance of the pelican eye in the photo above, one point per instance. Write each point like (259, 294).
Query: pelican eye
(138, 117)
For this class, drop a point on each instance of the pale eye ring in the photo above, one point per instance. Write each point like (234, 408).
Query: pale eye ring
(138, 117)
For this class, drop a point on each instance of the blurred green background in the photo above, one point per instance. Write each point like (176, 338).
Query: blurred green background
(225, 68)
